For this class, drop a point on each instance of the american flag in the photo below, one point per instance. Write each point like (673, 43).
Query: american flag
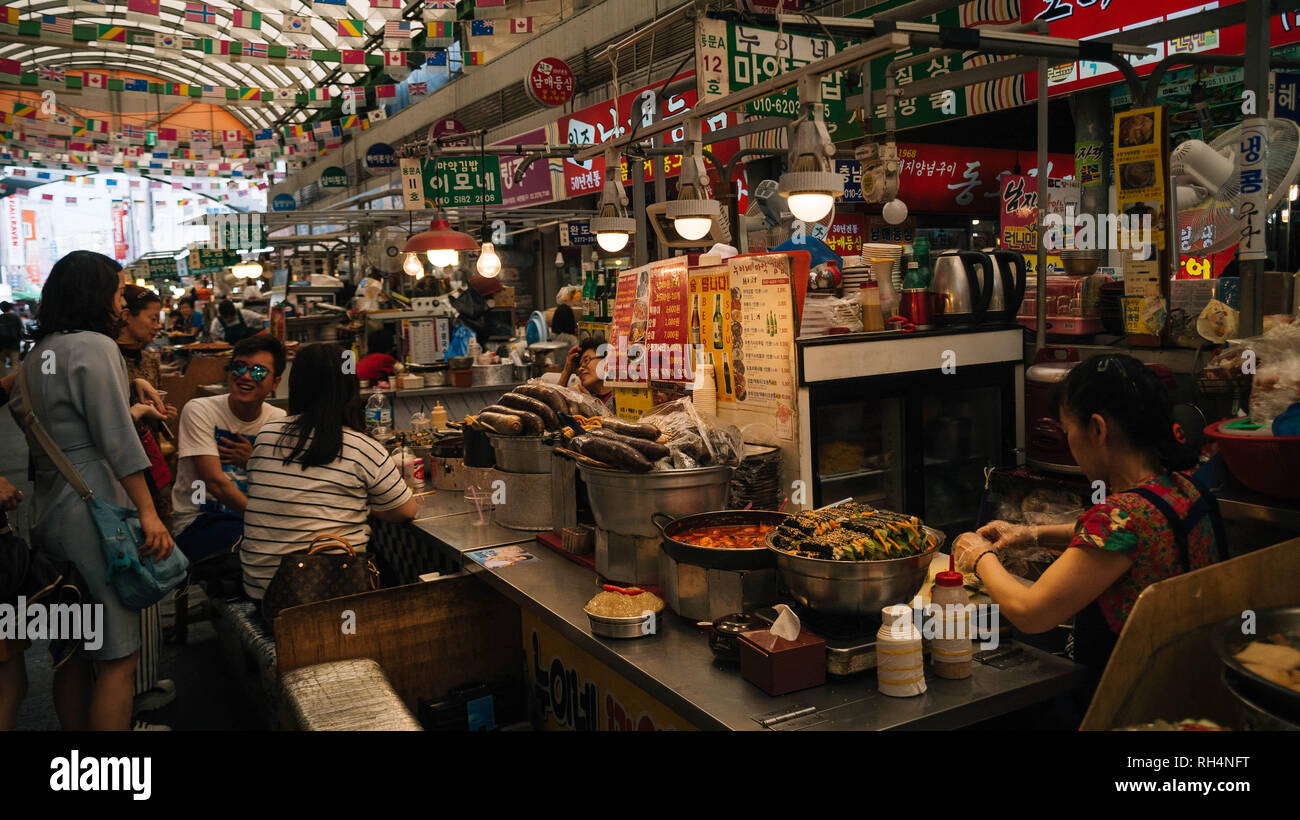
(395, 30)
(52, 73)
(298, 53)
(50, 24)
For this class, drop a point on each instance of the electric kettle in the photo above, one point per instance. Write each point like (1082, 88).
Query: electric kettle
(963, 281)
(1010, 277)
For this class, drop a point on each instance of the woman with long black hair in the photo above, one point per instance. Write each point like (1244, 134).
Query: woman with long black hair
(316, 472)
(78, 386)
(1154, 523)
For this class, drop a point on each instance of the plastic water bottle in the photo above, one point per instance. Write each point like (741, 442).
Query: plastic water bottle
(379, 416)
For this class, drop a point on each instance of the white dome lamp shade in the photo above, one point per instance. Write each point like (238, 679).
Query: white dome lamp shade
(811, 185)
(693, 212)
(611, 225)
(894, 211)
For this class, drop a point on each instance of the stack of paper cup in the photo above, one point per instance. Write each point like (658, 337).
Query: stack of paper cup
(900, 668)
(704, 393)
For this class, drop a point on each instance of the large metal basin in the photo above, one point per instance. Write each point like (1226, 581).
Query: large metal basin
(623, 502)
(855, 587)
(627, 541)
(522, 454)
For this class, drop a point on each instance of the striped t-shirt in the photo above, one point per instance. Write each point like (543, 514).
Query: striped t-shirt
(289, 505)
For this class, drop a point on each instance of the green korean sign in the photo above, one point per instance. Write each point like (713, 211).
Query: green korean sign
(210, 261)
(756, 54)
(333, 177)
(450, 182)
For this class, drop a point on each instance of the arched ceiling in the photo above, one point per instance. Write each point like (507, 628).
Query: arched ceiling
(187, 66)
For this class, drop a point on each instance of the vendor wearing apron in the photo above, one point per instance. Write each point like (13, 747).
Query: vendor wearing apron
(231, 326)
(1154, 523)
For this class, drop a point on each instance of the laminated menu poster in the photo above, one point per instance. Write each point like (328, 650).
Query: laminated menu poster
(762, 324)
(649, 326)
(711, 324)
(1140, 153)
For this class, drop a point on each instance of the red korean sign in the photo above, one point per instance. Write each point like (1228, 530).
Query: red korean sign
(609, 120)
(550, 82)
(1086, 19)
(953, 180)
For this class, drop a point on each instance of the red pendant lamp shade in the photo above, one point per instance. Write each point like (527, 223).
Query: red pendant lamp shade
(440, 237)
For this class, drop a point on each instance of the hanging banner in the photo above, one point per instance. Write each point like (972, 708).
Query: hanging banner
(711, 323)
(466, 180)
(534, 187)
(606, 121)
(1253, 149)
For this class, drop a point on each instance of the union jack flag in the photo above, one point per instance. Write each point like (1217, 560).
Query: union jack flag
(298, 53)
(52, 73)
(418, 89)
(200, 135)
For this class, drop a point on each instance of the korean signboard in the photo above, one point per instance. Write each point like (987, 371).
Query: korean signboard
(1018, 212)
(845, 234)
(1139, 159)
(1081, 20)
(635, 109)
(1087, 163)
(450, 182)
(535, 185)
(947, 179)
(550, 82)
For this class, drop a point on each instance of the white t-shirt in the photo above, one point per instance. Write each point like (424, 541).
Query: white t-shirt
(289, 504)
(202, 421)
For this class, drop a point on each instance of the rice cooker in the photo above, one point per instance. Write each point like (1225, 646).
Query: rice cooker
(1044, 435)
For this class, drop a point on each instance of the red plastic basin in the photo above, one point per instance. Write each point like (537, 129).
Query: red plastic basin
(1265, 464)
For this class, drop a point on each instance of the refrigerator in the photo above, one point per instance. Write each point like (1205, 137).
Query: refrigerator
(910, 422)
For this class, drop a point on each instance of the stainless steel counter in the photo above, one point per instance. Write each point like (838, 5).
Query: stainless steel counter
(677, 668)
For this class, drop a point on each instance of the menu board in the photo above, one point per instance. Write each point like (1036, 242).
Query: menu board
(763, 331)
(633, 286)
(1139, 167)
(711, 323)
(667, 323)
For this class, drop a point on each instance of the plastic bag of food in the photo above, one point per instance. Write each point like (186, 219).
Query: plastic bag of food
(694, 441)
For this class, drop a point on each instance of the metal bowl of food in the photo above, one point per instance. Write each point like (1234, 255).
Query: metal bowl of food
(1264, 664)
(618, 614)
(855, 587)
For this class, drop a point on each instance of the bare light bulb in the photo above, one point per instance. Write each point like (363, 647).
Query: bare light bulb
(894, 212)
(489, 264)
(413, 266)
(443, 258)
(611, 242)
(691, 228)
(810, 207)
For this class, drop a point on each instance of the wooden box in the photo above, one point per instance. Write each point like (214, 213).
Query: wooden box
(778, 666)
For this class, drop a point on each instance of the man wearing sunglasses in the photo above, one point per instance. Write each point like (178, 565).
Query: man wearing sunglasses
(214, 444)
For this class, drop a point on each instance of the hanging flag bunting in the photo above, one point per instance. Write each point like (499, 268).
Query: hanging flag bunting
(169, 44)
(348, 28)
(298, 53)
(386, 9)
(110, 34)
(214, 46)
(437, 57)
(482, 28)
(56, 28)
(94, 79)
(214, 93)
(521, 25)
(397, 32)
(420, 89)
(200, 137)
(232, 138)
(135, 84)
(264, 136)
(474, 58)
(51, 76)
(438, 31)
(348, 121)
(248, 20)
(143, 11)
(296, 29)
(255, 52)
(386, 91)
(285, 95)
(134, 133)
(8, 20)
(318, 97)
(440, 9)
(376, 115)
(394, 58)
(353, 60)
(200, 18)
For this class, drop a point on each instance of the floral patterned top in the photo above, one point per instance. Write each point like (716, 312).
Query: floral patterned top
(1128, 523)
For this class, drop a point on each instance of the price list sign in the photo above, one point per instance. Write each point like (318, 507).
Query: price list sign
(710, 324)
(762, 355)
(632, 285)
(667, 328)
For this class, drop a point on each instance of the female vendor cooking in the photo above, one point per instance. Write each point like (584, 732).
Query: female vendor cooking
(1153, 525)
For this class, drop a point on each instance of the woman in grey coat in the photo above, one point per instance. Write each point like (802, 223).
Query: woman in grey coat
(78, 387)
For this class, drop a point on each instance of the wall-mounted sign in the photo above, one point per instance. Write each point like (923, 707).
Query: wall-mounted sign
(446, 127)
(283, 202)
(333, 177)
(380, 159)
(577, 233)
(550, 82)
(535, 184)
(450, 182)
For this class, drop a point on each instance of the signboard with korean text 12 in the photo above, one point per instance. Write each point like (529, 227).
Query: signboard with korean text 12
(467, 180)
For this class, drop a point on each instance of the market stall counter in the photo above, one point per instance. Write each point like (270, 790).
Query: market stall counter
(671, 679)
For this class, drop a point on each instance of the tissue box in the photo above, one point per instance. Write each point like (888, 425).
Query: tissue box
(778, 666)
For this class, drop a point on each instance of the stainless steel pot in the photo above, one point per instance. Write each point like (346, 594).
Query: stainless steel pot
(1275, 700)
(490, 374)
(704, 583)
(522, 454)
(627, 541)
(855, 587)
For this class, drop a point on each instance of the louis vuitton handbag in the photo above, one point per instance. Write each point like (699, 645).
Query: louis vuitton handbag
(313, 575)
